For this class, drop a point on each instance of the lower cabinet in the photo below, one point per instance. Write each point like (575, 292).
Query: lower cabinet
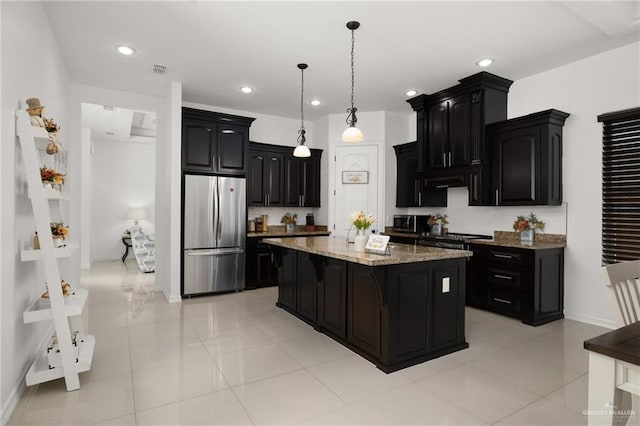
(394, 315)
(287, 261)
(332, 298)
(527, 284)
(260, 270)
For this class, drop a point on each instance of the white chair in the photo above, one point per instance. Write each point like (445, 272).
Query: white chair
(623, 281)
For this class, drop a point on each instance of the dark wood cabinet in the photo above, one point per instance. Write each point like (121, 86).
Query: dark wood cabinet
(363, 308)
(527, 284)
(451, 132)
(287, 262)
(527, 159)
(214, 142)
(310, 274)
(411, 190)
(265, 178)
(332, 298)
(476, 292)
(260, 269)
(302, 180)
(276, 178)
(395, 315)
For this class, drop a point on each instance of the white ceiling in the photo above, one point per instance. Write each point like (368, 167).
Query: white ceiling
(214, 47)
(114, 124)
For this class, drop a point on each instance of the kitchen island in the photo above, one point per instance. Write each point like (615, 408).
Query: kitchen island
(395, 310)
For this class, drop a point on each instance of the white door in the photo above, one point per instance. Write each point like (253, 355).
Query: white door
(356, 186)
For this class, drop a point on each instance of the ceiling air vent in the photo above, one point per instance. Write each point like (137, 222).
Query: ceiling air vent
(159, 69)
(107, 108)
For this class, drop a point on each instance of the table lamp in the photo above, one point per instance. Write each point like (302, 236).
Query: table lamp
(136, 214)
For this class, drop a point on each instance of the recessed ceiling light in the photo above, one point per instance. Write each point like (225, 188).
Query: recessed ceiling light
(315, 102)
(484, 62)
(125, 50)
(411, 92)
(246, 89)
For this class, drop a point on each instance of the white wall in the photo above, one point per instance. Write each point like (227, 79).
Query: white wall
(31, 67)
(123, 176)
(396, 133)
(81, 187)
(168, 194)
(603, 83)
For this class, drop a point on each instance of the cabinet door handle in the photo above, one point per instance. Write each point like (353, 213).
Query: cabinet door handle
(303, 200)
(497, 198)
(508, 302)
(419, 198)
(449, 158)
(218, 162)
(504, 277)
(441, 186)
(503, 256)
(444, 159)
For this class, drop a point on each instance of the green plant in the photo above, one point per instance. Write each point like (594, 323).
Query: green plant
(523, 223)
(289, 218)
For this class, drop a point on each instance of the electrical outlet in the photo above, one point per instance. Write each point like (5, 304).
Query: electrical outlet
(445, 284)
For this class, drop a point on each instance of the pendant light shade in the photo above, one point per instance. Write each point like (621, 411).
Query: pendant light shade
(352, 133)
(302, 150)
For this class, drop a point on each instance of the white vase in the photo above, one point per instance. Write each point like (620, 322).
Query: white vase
(360, 241)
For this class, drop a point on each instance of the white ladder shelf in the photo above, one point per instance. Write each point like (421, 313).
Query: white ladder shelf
(57, 308)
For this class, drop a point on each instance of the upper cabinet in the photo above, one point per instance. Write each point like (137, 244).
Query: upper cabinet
(265, 177)
(527, 159)
(214, 142)
(451, 130)
(302, 180)
(276, 178)
(411, 190)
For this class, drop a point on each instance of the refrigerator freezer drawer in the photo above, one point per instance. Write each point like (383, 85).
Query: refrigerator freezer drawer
(213, 270)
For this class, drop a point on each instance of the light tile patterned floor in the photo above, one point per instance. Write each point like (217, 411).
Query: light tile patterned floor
(237, 359)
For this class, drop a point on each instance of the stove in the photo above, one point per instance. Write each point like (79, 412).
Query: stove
(450, 240)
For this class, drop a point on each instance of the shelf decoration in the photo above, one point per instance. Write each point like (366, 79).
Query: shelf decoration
(361, 222)
(59, 233)
(526, 226)
(289, 219)
(66, 290)
(437, 223)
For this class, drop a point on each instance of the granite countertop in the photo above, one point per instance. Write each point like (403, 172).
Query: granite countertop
(512, 239)
(282, 233)
(336, 248)
(299, 231)
(392, 233)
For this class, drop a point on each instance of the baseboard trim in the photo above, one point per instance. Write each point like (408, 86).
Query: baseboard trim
(602, 322)
(12, 402)
(171, 299)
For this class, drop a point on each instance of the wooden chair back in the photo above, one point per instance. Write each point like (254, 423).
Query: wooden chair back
(623, 281)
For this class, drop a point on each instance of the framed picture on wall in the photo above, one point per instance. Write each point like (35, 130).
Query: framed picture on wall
(355, 176)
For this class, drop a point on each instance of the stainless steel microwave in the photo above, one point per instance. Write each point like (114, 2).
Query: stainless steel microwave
(416, 224)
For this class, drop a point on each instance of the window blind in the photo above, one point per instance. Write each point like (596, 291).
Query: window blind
(620, 186)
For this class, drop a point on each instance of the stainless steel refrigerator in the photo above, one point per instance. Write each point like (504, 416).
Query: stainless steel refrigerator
(214, 220)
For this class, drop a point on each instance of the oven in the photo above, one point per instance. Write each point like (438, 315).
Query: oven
(450, 241)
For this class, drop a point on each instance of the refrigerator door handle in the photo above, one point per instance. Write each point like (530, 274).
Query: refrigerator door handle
(215, 252)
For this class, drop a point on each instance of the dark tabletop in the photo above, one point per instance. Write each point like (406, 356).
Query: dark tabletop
(622, 344)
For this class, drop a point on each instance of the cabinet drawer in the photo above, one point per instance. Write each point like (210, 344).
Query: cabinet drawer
(504, 300)
(506, 277)
(506, 257)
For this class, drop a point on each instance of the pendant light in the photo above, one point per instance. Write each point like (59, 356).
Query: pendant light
(352, 133)
(302, 150)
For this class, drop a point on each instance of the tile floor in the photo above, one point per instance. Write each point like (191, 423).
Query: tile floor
(237, 359)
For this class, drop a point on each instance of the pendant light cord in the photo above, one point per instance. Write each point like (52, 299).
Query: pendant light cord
(353, 80)
(302, 100)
